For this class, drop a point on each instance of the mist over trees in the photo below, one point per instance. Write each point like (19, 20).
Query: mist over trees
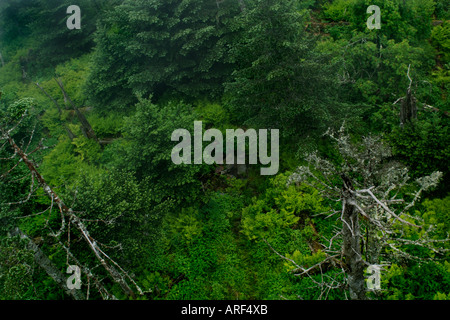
(87, 180)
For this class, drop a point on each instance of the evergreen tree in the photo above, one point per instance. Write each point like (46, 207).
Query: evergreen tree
(281, 81)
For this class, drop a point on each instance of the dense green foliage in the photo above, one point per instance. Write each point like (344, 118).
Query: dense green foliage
(150, 47)
(281, 80)
(139, 69)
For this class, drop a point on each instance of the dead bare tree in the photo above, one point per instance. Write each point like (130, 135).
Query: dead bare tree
(68, 217)
(367, 185)
(45, 263)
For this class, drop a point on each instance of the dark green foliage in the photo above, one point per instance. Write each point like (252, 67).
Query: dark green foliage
(119, 211)
(21, 278)
(281, 81)
(399, 19)
(154, 46)
(442, 10)
(146, 151)
(15, 179)
(15, 20)
(373, 69)
(374, 63)
(424, 146)
(16, 266)
(42, 25)
(421, 281)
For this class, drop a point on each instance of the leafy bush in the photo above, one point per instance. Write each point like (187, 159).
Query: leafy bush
(280, 208)
(146, 150)
(62, 165)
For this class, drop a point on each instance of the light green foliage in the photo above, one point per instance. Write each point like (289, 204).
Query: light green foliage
(14, 176)
(88, 150)
(436, 225)
(10, 80)
(17, 109)
(14, 87)
(213, 114)
(399, 19)
(185, 226)
(441, 296)
(442, 78)
(440, 38)
(304, 260)
(337, 10)
(72, 74)
(280, 208)
(201, 254)
(106, 126)
(421, 280)
(51, 121)
(437, 215)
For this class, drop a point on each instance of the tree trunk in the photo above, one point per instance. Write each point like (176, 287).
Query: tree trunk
(44, 262)
(242, 5)
(352, 244)
(86, 127)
